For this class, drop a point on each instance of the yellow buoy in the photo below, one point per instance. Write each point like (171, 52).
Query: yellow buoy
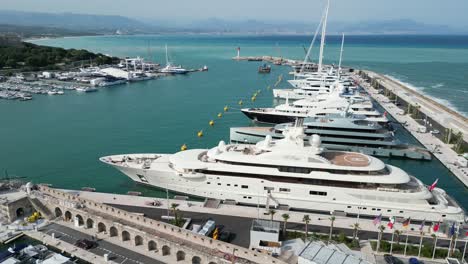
(184, 147)
(253, 98)
(220, 115)
(211, 123)
(226, 108)
(200, 133)
(240, 102)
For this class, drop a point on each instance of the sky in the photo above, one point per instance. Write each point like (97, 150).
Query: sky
(440, 12)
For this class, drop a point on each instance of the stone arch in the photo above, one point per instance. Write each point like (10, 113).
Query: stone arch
(113, 231)
(180, 255)
(196, 260)
(19, 212)
(152, 245)
(125, 235)
(79, 221)
(101, 227)
(58, 212)
(138, 240)
(89, 223)
(166, 250)
(68, 216)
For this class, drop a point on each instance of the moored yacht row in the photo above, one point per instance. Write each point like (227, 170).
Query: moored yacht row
(323, 163)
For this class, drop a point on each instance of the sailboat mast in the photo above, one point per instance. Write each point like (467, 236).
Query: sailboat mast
(341, 55)
(167, 58)
(322, 37)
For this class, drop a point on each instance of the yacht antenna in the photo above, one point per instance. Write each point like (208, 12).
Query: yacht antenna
(341, 56)
(322, 36)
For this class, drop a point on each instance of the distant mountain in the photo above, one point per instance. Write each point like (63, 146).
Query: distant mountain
(82, 22)
(38, 31)
(105, 24)
(403, 26)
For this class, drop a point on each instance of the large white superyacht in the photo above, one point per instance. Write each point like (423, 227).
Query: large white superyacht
(290, 173)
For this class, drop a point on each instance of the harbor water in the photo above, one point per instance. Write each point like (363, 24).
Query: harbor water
(58, 140)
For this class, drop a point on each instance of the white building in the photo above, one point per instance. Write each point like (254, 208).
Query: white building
(264, 235)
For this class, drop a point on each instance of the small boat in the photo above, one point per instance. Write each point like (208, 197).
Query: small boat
(52, 92)
(86, 89)
(205, 68)
(60, 92)
(264, 69)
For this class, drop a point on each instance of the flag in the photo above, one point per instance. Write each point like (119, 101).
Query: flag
(436, 227)
(432, 187)
(377, 219)
(452, 229)
(406, 223)
(421, 227)
(391, 223)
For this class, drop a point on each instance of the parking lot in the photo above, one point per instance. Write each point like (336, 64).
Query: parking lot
(116, 253)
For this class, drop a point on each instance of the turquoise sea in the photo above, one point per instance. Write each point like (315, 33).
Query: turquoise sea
(58, 139)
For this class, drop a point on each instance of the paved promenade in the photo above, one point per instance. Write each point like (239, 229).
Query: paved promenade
(439, 149)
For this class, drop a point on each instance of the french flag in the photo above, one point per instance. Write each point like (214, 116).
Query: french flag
(391, 223)
(436, 227)
(432, 187)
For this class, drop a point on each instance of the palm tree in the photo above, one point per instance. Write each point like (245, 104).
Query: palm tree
(397, 236)
(332, 220)
(285, 219)
(306, 220)
(271, 212)
(381, 230)
(356, 228)
(174, 210)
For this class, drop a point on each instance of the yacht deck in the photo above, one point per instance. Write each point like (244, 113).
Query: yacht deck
(346, 158)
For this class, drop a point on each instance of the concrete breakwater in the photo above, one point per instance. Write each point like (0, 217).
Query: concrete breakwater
(441, 130)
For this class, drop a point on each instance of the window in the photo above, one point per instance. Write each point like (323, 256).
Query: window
(142, 178)
(349, 206)
(244, 187)
(219, 183)
(285, 190)
(389, 211)
(318, 193)
(401, 212)
(228, 184)
(268, 188)
(208, 182)
(378, 209)
(235, 185)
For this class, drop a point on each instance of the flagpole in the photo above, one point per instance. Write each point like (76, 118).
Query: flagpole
(391, 244)
(450, 246)
(379, 237)
(435, 246)
(406, 243)
(456, 238)
(464, 250)
(420, 244)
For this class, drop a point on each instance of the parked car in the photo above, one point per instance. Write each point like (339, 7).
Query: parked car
(225, 236)
(414, 261)
(85, 244)
(389, 259)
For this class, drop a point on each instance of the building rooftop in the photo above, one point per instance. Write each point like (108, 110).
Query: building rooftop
(319, 253)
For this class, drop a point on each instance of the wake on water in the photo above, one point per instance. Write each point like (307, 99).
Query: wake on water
(421, 91)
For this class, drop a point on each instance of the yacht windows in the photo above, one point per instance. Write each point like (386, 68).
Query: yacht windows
(142, 178)
(244, 187)
(318, 193)
(284, 190)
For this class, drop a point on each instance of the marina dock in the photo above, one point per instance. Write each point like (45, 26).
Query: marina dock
(440, 129)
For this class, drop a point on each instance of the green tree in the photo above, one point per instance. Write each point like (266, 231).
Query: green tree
(306, 220)
(285, 222)
(272, 213)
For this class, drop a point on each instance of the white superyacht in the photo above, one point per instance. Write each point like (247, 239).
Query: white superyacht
(291, 173)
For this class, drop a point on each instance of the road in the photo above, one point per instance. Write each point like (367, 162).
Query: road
(117, 254)
(241, 226)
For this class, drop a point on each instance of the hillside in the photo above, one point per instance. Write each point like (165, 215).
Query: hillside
(38, 31)
(31, 57)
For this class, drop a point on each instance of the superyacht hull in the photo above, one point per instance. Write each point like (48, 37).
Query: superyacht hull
(253, 135)
(271, 193)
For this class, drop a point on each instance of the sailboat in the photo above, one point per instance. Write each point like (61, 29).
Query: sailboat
(172, 69)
